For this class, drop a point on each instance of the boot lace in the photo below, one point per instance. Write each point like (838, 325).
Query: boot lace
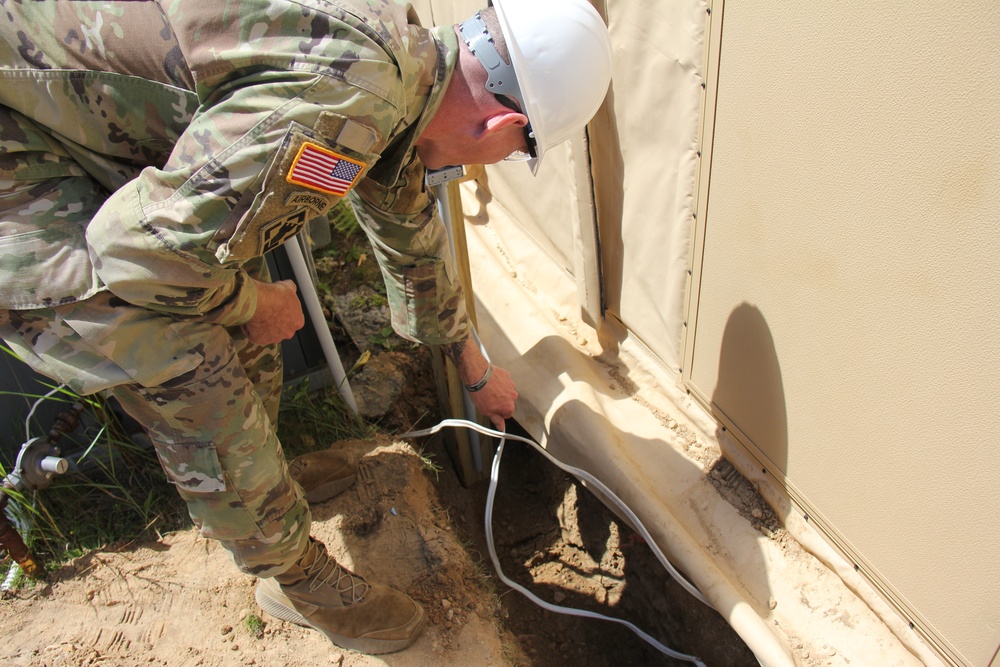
(324, 571)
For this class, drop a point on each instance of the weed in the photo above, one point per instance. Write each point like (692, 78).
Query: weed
(308, 420)
(343, 219)
(124, 496)
(254, 625)
(368, 301)
(352, 255)
(428, 464)
(511, 655)
(385, 338)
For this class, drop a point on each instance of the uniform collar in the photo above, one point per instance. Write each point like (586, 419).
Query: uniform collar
(426, 74)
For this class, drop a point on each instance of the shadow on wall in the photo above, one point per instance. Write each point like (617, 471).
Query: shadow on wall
(749, 400)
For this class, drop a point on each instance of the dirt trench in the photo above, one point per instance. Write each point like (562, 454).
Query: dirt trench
(559, 541)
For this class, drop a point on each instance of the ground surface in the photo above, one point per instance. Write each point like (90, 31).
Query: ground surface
(177, 600)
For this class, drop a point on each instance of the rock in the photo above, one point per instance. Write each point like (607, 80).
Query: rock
(378, 386)
(364, 313)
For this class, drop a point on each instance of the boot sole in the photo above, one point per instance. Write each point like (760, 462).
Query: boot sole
(272, 606)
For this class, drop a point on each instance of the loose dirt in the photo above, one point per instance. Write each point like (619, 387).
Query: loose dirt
(179, 601)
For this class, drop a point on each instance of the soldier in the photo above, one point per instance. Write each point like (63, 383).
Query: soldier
(151, 153)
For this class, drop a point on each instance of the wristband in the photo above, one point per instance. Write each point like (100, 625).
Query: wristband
(482, 381)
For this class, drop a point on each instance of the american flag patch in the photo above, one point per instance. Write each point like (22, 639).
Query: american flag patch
(320, 169)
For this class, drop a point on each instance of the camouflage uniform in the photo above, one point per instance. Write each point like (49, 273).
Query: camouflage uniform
(150, 154)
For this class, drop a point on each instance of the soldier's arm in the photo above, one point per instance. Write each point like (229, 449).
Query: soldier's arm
(424, 292)
(410, 244)
(186, 238)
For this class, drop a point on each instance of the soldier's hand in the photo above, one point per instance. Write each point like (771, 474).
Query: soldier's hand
(496, 399)
(278, 315)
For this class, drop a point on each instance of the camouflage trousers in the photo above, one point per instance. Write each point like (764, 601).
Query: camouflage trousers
(213, 425)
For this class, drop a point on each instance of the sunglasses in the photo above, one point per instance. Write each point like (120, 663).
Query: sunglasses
(529, 136)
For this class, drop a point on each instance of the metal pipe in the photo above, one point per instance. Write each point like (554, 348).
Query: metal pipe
(444, 208)
(11, 541)
(307, 288)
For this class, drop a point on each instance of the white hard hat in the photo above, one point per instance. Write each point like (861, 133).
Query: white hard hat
(560, 52)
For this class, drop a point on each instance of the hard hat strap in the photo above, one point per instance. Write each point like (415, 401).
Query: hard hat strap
(501, 77)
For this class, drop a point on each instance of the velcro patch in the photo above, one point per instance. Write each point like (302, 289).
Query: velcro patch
(275, 232)
(316, 203)
(323, 170)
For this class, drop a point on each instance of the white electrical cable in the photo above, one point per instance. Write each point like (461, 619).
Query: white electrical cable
(583, 474)
(8, 582)
(27, 420)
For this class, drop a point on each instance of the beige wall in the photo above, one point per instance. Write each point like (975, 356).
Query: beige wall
(847, 320)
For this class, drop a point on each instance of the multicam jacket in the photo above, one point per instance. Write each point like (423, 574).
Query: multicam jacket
(154, 148)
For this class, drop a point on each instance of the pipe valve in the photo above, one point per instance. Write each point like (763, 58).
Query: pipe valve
(37, 463)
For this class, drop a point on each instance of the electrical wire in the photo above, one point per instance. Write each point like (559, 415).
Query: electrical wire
(22, 524)
(8, 582)
(27, 420)
(582, 474)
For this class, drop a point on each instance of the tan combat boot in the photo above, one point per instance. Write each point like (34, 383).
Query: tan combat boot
(353, 613)
(323, 474)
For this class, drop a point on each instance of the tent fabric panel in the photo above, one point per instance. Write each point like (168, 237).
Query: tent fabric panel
(847, 321)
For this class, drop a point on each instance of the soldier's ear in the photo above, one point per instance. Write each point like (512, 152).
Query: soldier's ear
(501, 119)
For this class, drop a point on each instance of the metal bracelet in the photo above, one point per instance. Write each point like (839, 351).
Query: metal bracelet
(482, 381)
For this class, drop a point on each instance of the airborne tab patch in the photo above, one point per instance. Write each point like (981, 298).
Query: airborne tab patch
(320, 169)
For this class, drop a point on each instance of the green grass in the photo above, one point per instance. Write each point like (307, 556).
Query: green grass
(124, 496)
(343, 220)
(254, 625)
(311, 420)
(428, 463)
(119, 496)
(351, 255)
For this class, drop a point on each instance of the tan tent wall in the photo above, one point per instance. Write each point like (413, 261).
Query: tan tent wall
(830, 189)
(644, 200)
(847, 321)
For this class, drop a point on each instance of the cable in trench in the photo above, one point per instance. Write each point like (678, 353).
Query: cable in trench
(586, 476)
